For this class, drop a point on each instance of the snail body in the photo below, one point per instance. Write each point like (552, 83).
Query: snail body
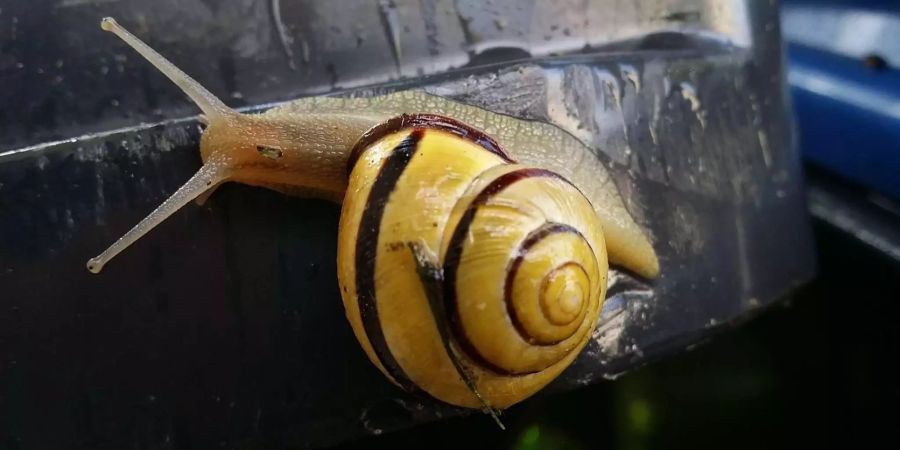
(472, 246)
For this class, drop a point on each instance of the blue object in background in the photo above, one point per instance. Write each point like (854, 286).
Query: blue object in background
(843, 60)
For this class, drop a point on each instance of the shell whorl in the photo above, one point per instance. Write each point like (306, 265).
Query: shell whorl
(546, 265)
(462, 273)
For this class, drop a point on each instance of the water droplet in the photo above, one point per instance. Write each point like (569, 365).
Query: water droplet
(631, 74)
(391, 23)
(43, 162)
(764, 147)
(689, 93)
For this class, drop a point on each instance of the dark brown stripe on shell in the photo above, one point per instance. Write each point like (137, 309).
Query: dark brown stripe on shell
(432, 278)
(432, 121)
(531, 240)
(454, 255)
(367, 248)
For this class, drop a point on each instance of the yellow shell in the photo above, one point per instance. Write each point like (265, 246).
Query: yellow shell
(462, 273)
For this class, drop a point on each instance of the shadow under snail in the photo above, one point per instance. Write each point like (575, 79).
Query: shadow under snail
(472, 264)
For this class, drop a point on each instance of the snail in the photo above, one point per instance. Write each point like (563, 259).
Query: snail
(472, 267)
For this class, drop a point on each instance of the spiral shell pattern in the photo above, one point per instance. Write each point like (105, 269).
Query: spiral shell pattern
(466, 277)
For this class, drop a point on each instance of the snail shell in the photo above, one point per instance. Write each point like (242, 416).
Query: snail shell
(462, 273)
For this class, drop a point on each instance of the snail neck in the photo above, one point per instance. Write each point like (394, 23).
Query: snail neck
(300, 154)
